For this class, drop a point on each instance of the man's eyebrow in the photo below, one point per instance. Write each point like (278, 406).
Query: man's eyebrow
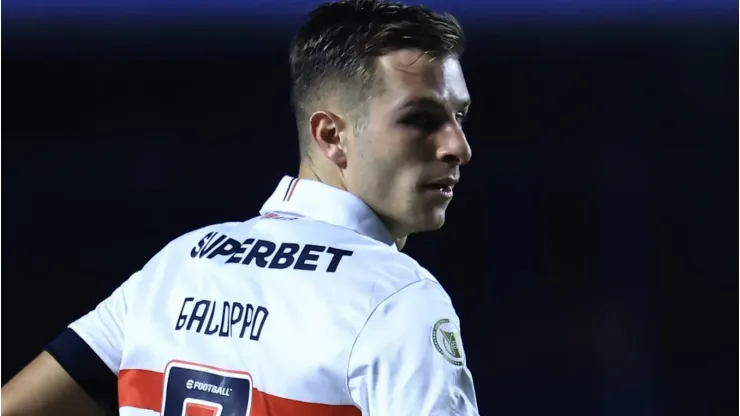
(432, 103)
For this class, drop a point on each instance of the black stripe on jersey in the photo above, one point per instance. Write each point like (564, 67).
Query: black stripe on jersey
(287, 190)
(86, 368)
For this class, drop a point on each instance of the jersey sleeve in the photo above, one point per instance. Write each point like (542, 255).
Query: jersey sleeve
(90, 349)
(409, 358)
(102, 329)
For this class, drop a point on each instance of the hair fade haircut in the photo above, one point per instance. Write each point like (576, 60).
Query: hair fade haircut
(334, 52)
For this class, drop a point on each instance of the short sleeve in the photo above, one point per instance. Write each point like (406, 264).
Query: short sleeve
(409, 358)
(102, 329)
(90, 349)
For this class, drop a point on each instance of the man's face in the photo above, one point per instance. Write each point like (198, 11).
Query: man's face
(406, 159)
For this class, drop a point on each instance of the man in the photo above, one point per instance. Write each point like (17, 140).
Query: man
(310, 308)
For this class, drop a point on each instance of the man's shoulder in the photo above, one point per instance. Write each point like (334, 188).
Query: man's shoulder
(389, 261)
(388, 273)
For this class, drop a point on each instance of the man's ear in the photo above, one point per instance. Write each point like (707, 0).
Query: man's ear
(327, 131)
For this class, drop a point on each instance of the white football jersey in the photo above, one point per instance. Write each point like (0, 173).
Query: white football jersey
(308, 309)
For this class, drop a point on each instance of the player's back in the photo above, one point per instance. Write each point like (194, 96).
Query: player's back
(270, 307)
(307, 309)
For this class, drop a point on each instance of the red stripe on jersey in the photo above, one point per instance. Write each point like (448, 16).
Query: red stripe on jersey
(143, 389)
(140, 388)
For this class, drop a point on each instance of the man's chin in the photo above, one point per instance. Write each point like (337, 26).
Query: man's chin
(432, 221)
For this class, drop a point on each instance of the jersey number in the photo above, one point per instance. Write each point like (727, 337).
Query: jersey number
(198, 390)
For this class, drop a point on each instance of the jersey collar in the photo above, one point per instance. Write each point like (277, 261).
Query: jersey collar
(320, 202)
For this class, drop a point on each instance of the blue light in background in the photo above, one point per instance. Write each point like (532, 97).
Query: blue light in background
(290, 9)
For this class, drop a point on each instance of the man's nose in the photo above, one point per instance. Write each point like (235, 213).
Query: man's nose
(453, 146)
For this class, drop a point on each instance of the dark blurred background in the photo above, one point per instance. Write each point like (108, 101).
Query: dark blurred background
(591, 251)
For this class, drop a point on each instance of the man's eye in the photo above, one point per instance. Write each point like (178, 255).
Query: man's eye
(461, 118)
(424, 121)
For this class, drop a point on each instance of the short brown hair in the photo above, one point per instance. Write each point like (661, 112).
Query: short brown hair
(336, 48)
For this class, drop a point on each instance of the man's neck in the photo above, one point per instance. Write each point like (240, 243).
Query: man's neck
(400, 242)
(308, 170)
